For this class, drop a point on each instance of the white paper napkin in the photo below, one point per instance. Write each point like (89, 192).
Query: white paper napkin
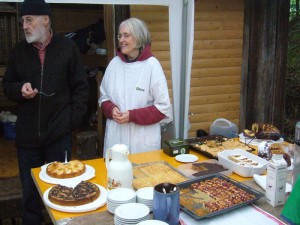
(246, 215)
(261, 180)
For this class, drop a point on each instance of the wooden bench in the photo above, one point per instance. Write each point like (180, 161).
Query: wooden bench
(10, 199)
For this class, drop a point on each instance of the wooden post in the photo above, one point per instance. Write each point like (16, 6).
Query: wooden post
(266, 25)
(101, 121)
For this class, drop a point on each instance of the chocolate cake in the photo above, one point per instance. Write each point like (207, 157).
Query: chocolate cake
(263, 131)
(84, 193)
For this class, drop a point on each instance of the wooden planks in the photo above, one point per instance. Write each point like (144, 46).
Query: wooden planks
(217, 61)
(216, 71)
(214, 81)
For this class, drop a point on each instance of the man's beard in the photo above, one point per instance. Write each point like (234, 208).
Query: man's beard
(37, 35)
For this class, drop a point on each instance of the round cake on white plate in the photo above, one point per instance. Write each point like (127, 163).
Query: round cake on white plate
(83, 193)
(70, 169)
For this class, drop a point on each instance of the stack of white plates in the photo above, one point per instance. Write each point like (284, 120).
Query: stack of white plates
(131, 213)
(145, 196)
(119, 196)
(152, 222)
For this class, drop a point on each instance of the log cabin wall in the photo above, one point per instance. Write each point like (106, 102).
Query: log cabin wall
(217, 62)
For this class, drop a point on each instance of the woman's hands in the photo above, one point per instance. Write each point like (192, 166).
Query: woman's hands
(120, 117)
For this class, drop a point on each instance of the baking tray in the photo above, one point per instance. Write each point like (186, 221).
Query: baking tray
(218, 138)
(164, 172)
(206, 138)
(193, 205)
(201, 140)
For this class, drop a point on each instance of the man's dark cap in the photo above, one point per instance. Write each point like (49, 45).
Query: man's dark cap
(35, 7)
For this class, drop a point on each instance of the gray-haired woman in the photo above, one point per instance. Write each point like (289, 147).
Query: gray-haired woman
(134, 93)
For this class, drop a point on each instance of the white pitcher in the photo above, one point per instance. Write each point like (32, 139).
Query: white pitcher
(119, 168)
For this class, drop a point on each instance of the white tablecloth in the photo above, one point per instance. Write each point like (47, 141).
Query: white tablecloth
(246, 215)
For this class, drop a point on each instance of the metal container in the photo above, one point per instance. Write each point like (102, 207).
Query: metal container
(223, 127)
(193, 207)
(176, 147)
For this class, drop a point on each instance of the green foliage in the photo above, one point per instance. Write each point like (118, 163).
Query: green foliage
(293, 8)
(292, 96)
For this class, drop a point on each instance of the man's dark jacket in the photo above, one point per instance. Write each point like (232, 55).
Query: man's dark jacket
(44, 119)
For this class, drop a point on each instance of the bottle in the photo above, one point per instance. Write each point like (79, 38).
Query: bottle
(296, 169)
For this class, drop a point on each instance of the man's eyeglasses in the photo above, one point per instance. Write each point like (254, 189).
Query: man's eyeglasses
(125, 36)
(27, 20)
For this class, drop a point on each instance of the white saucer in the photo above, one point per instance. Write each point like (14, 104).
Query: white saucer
(145, 193)
(121, 195)
(132, 212)
(152, 222)
(186, 158)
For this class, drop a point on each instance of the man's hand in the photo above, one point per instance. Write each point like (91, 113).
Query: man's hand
(28, 92)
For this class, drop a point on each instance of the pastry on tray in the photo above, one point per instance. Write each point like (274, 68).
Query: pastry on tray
(70, 169)
(242, 160)
(85, 192)
(224, 193)
(149, 175)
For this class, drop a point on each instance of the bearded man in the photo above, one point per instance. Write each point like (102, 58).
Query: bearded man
(46, 77)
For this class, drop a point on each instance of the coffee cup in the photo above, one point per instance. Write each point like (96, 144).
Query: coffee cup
(166, 203)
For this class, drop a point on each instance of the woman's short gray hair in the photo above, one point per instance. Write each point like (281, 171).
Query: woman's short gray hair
(139, 30)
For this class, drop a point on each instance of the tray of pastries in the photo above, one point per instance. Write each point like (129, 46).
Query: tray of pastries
(211, 145)
(208, 196)
(151, 174)
(242, 162)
